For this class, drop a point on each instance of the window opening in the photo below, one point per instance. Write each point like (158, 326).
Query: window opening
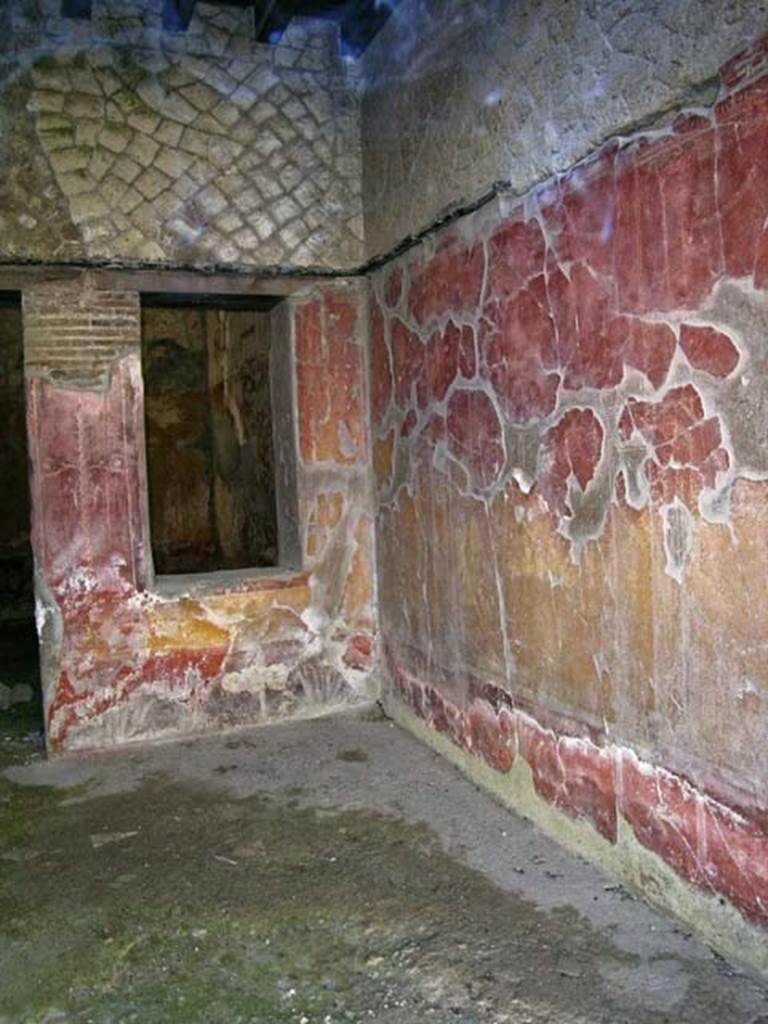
(209, 432)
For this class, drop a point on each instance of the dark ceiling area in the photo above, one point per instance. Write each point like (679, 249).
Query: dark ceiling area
(359, 20)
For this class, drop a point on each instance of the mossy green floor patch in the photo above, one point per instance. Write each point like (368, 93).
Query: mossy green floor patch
(172, 905)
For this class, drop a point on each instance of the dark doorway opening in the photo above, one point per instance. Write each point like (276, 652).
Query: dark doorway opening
(21, 706)
(208, 419)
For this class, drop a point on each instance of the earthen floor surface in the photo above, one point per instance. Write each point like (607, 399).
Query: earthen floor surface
(318, 872)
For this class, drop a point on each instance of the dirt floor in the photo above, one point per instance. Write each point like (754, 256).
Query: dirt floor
(316, 873)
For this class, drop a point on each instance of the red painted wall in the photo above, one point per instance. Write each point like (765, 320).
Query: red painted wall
(570, 413)
(125, 661)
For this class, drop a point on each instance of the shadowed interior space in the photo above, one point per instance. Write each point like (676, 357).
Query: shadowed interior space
(208, 415)
(21, 711)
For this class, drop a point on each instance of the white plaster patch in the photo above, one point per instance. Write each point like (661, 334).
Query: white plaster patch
(41, 616)
(679, 532)
(523, 480)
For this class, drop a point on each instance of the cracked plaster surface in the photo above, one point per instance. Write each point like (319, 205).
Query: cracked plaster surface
(569, 441)
(129, 658)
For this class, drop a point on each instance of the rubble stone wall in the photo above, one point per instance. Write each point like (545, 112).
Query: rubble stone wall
(121, 142)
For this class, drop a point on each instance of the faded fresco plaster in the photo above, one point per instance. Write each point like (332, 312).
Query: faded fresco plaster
(130, 658)
(569, 411)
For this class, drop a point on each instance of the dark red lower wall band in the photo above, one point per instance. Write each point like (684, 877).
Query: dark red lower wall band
(710, 845)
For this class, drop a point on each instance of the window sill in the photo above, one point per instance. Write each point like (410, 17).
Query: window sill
(229, 581)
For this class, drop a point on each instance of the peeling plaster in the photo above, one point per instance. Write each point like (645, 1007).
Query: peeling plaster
(605, 573)
(133, 658)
